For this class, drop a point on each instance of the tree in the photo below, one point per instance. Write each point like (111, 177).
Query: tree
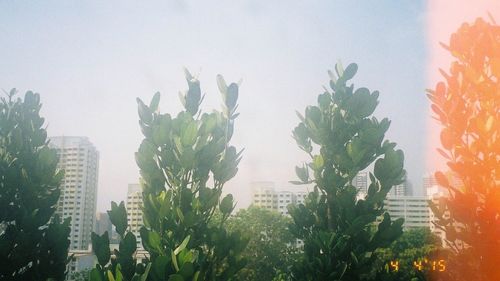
(416, 245)
(271, 248)
(333, 223)
(32, 246)
(467, 106)
(177, 158)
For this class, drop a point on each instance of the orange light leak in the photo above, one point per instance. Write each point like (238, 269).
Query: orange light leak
(444, 17)
(466, 105)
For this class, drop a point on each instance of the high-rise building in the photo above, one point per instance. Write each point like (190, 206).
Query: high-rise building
(80, 160)
(103, 224)
(403, 189)
(134, 211)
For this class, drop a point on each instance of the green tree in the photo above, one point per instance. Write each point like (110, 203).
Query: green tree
(416, 245)
(184, 163)
(32, 246)
(342, 140)
(467, 107)
(123, 265)
(271, 248)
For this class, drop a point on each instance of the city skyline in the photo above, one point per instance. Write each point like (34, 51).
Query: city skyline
(89, 63)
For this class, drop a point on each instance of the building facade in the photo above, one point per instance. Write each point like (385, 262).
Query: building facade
(403, 189)
(265, 195)
(134, 211)
(413, 209)
(361, 182)
(285, 198)
(103, 224)
(79, 158)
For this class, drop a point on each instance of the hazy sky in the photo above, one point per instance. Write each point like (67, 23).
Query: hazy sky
(89, 60)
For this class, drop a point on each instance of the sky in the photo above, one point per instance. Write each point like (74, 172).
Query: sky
(89, 60)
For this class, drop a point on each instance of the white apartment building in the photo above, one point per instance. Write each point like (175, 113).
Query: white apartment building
(264, 195)
(80, 160)
(285, 198)
(413, 209)
(134, 211)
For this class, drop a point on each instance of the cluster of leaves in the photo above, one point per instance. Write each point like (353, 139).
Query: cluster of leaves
(271, 249)
(467, 106)
(333, 223)
(177, 158)
(413, 245)
(123, 265)
(82, 275)
(32, 246)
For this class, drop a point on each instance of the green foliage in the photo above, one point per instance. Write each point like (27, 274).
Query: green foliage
(82, 275)
(177, 158)
(123, 265)
(271, 248)
(413, 245)
(32, 246)
(334, 224)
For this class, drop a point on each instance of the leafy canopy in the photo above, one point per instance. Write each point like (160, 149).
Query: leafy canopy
(271, 247)
(184, 162)
(342, 139)
(467, 106)
(32, 246)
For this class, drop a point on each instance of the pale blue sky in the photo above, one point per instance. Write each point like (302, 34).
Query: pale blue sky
(89, 60)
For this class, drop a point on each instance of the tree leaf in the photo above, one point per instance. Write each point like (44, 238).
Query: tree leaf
(182, 246)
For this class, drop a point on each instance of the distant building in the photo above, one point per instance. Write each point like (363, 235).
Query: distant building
(361, 182)
(103, 224)
(81, 260)
(134, 211)
(300, 197)
(413, 209)
(285, 198)
(80, 160)
(430, 182)
(436, 193)
(265, 195)
(403, 189)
